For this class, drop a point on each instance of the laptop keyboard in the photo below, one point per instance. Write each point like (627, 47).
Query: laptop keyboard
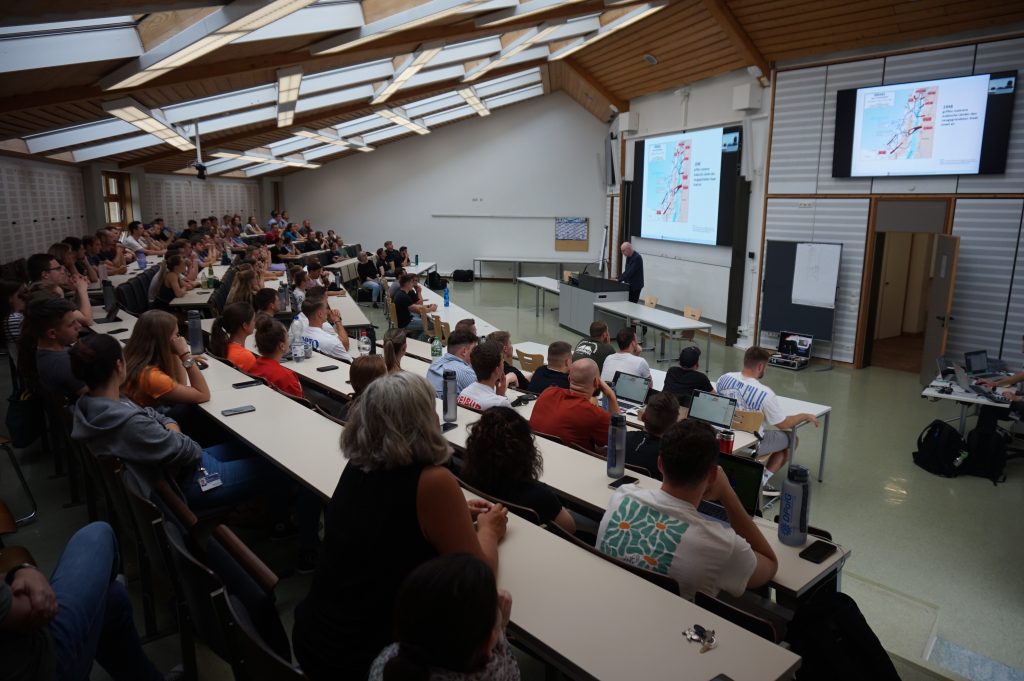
(713, 510)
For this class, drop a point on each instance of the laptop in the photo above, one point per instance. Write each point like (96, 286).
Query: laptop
(977, 364)
(967, 383)
(631, 391)
(711, 408)
(745, 477)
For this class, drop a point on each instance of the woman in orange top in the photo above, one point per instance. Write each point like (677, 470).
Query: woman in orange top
(230, 329)
(160, 367)
(272, 342)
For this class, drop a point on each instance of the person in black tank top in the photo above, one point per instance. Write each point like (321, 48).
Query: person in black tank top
(394, 508)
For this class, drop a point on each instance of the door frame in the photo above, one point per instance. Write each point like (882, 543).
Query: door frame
(868, 284)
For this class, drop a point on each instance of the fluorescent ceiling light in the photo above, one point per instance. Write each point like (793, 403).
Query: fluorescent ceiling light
(204, 36)
(629, 18)
(288, 82)
(523, 9)
(263, 155)
(469, 95)
(153, 122)
(405, 68)
(398, 116)
(327, 136)
(517, 45)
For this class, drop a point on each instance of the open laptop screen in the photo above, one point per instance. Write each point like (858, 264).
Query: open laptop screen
(717, 410)
(631, 388)
(976, 362)
(744, 478)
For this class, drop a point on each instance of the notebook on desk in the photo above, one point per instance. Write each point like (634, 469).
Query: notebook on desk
(745, 477)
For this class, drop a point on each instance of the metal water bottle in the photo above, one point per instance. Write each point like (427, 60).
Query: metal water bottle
(617, 446)
(195, 333)
(109, 300)
(417, 259)
(450, 395)
(796, 501)
(282, 293)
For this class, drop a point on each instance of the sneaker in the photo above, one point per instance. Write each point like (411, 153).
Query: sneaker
(307, 561)
(769, 491)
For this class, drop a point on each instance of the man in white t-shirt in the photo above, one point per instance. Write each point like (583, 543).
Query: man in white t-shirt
(627, 359)
(660, 529)
(490, 386)
(317, 311)
(751, 395)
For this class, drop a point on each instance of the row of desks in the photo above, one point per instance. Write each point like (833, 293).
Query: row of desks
(563, 603)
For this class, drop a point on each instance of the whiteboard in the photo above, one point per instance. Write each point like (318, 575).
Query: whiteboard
(679, 282)
(816, 274)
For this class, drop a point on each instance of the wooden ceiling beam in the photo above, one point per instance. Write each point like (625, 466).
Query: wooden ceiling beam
(316, 119)
(20, 12)
(575, 70)
(159, 26)
(386, 46)
(737, 35)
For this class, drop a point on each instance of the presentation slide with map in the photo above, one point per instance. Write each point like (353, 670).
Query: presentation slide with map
(681, 185)
(926, 128)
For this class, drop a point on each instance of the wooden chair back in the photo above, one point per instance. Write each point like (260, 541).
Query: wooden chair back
(692, 312)
(748, 620)
(529, 361)
(392, 314)
(651, 301)
(748, 421)
(521, 511)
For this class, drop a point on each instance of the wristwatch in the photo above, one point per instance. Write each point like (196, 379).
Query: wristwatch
(187, 361)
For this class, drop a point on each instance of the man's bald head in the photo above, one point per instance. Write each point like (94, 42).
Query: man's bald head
(626, 248)
(583, 376)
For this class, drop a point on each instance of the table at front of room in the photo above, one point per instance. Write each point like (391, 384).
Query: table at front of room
(659, 319)
(517, 263)
(964, 398)
(541, 285)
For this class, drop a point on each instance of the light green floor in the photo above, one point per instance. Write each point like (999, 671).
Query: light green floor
(954, 544)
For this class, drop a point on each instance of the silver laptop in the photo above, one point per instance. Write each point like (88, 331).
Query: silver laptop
(631, 391)
(977, 364)
(712, 408)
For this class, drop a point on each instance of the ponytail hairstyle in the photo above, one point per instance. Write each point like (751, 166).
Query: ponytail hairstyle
(394, 348)
(500, 449)
(365, 370)
(233, 318)
(94, 359)
(445, 612)
(270, 333)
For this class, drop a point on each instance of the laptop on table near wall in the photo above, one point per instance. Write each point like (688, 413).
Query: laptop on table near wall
(978, 365)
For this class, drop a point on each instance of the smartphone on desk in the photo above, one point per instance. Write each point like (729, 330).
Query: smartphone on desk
(246, 384)
(115, 332)
(818, 551)
(624, 480)
(329, 367)
(244, 409)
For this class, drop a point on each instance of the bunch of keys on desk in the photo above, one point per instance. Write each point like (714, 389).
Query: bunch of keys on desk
(698, 634)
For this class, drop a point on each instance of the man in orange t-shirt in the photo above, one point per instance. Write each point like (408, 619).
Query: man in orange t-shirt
(572, 414)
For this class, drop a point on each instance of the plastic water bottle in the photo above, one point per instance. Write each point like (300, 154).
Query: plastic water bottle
(450, 395)
(140, 258)
(295, 343)
(435, 348)
(364, 344)
(109, 299)
(796, 501)
(617, 447)
(195, 333)
(447, 297)
(203, 280)
(209, 273)
(282, 293)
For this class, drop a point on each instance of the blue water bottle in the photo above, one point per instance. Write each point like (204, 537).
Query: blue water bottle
(617, 447)
(446, 298)
(796, 501)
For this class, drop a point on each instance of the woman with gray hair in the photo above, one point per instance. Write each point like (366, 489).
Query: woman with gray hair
(395, 507)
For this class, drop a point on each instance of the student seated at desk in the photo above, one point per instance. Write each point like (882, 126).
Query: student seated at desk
(597, 347)
(244, 285)
(450, 622)
(13, 299)
(514, 377)
(272, 342)
(627, 359)
(227, 338)
(159, 364)
(988, 417)
(49, 330)
(489, 388)
(394, 349)
(172, 284)
(365, 370)
(556, 371)
(409, 305)
(369, 276)
(572, 414)
(300, 284)
(751, 395)
(660, 530)
(683, 379)
(46, 273)
(267, 301)
(455, 358)
(318, 313)
(396, 507)
(501, 459)
(642, 446)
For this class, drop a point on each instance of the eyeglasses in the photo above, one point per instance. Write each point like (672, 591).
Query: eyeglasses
(54, 269)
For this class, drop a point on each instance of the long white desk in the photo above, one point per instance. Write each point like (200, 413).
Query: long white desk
(345, 269)
(659, 319)
(422, 268)
(542, 286)
(518, 260)
(964, 398)
(455, 313)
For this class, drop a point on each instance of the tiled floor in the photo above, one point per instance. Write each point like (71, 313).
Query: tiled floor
(952, 543)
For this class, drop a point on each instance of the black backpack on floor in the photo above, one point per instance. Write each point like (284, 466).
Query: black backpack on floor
(836, 643)
(435, 282)
(938, 448)
(986, 456)
(462, 275)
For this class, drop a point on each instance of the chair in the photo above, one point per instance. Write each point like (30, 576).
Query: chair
(651, 301)
(752, 622)
(441, 329)
(521, 511)
(529, 361)
(428, 326)
(663, 581)
(693, 313)
(255, 659)
(5, 444)
(139, 295)
(548, 436)
(748, 421)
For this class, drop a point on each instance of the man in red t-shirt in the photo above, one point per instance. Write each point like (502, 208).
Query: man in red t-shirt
(572, 414)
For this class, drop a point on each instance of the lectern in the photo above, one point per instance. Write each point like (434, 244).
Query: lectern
(577, 298)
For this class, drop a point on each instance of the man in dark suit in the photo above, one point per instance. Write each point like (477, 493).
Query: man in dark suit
(632, 271)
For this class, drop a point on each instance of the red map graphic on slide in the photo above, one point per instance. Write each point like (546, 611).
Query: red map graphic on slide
(675, 203)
